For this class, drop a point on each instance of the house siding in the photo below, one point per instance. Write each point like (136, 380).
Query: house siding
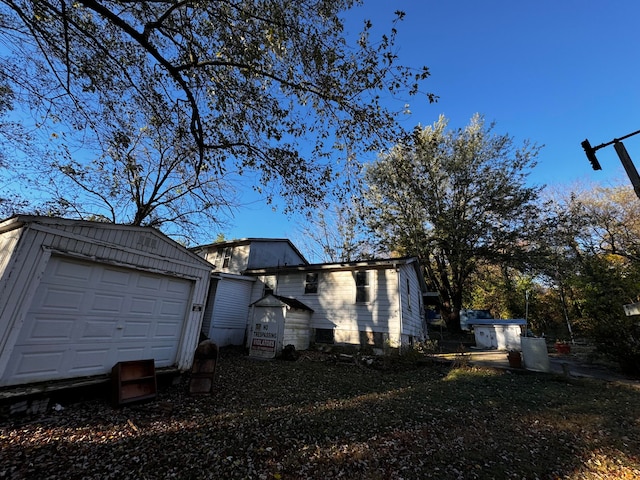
(239, 259)
(413, 323)
(335, 304)
(8, 242)
(296, 329)
(228, 310)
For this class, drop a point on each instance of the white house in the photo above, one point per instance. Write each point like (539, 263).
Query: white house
(77, 297)
(376, 302)
(236, 256)
(227, 310)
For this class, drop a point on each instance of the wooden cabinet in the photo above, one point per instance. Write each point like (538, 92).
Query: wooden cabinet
(133, 381)
(204, 368)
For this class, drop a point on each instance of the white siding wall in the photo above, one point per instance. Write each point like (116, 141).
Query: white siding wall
(230, 311)
(335, 304)
(411, 301)
(296, 329)
(257, 291)
(238, 262)
(8, 242)
(239, 259)
(24, 272)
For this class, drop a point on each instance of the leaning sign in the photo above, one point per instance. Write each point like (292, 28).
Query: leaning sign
(632, 309)
(264, 338)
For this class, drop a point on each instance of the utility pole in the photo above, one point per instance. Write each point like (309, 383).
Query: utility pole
(627, 163)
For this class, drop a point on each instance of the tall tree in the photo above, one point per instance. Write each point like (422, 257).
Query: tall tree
(454, 198)
(153, 102)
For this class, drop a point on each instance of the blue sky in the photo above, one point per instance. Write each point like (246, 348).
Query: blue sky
(551, 71)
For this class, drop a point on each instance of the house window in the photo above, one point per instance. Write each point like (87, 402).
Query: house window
(269, 286)
(227, 257)
(223, 257)
(324, 335)
(311, 283)
(362, 287)
(409, 294)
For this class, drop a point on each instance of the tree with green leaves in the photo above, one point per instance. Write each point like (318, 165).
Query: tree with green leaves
(154, 108)
(594, 264)
(455, 199)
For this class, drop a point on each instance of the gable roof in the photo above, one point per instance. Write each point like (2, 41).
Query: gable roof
(248, 241)
(57, 223)
(290, 302)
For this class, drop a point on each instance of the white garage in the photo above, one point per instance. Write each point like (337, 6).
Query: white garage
(78, 297)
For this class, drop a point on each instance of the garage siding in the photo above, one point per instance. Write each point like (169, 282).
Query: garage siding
(87, 316)
(82, 296)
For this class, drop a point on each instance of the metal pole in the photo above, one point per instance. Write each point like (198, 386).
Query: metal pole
(615, 140)
(629, 167)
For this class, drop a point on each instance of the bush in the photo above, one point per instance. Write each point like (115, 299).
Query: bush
(617, 337)
(622, 344)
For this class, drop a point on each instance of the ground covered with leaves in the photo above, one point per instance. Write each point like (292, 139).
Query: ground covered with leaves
(317, 419)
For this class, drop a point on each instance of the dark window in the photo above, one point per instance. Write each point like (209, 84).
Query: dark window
(223, 257)
(324, 335)
(227, 257)
(362, 287)
(311, 283)
(269, 287)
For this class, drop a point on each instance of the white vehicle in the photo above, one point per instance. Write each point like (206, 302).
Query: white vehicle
(467, 314)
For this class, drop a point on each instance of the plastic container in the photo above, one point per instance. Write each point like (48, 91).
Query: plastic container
(534, 354)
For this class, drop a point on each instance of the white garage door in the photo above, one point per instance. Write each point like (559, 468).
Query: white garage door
(85, 317)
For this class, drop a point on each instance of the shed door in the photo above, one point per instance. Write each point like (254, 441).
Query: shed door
(229, 311)
(86, 316)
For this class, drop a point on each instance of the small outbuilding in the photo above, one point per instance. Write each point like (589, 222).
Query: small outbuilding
(77, 297)
(498, 334)
(277, 322)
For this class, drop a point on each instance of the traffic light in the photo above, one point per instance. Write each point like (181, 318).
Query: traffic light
(591, 155)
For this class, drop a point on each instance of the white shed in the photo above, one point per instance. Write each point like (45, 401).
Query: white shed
(76, 297)
(277, 322)
(498, 334)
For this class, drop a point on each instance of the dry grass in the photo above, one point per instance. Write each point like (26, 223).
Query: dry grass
(318, 419)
